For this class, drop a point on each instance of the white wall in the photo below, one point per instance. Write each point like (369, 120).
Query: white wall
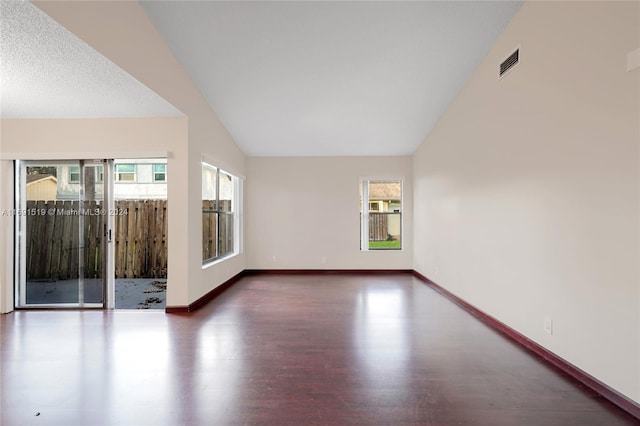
(527, 190)
(303, 209)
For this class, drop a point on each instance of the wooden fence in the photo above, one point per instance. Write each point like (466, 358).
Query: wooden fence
(52, 234)
(379, 225)
(211, 218)
(141, 239)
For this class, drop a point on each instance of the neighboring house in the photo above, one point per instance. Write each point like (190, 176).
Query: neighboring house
(209, 178)
(41, 187)
(133, 180)
(385, 199)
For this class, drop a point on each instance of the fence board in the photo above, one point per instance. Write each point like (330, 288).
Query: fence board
(151, 254)
(131, 226)
(30, 224)
(63, 269)
(162, 208)
(73, 244)
(140, 237)
(56, 241)
(48, 240)
(378, 227)
(95, 241)
(120, 239)
(209, 226)
(160, 233)
(89, 247)
(33, 248)
(206, 231)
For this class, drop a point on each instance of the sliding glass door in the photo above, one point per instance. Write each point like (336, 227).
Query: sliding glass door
(64, 230)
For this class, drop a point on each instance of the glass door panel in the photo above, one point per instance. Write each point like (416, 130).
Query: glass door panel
(92, 228)
(61, 221)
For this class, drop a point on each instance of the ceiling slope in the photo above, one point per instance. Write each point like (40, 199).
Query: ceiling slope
(308, 78)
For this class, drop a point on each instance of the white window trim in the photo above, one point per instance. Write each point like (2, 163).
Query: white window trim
(116, 177)
(98, 180)
(364, 222)
(237, 215)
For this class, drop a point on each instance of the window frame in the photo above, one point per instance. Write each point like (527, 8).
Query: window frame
(116, 173)
(154, 173)
(75, 170)
(365, 200)
(233, 213)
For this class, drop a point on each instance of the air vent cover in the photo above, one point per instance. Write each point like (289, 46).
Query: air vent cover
(510, 62)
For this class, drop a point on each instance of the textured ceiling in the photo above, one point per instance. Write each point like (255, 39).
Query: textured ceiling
(330, 78)
(47, 72)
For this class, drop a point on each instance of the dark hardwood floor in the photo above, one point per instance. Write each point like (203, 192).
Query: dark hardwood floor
(285, 350)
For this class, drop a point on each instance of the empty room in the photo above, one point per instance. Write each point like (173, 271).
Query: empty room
(319, 212)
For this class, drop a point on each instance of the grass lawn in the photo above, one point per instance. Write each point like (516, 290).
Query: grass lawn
(384, 245)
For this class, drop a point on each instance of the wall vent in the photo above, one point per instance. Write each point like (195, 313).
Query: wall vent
(510, 62)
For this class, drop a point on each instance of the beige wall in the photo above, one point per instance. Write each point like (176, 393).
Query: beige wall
(303, 209)
(6, 235)
(527, 190)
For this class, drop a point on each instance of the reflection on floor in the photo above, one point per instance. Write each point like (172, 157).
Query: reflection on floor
(285, 350)
(138, 293)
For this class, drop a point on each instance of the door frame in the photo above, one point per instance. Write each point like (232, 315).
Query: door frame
(108, 271)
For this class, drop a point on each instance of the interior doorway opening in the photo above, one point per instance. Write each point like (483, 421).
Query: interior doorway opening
(140, 233)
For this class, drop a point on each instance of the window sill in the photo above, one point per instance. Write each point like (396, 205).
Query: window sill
(213, 262)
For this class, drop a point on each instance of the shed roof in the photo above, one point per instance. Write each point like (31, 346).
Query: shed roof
(37, 178)
(385, 191)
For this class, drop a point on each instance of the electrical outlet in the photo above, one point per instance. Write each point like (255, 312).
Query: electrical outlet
(323, 260)
(275, 259)
(548, 325)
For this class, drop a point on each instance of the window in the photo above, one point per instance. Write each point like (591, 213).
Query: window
(125, 172)
(381, 224)
(220, 226)
(159, 172)
(74, 174)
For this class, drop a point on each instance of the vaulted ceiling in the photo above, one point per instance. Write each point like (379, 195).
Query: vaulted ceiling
(301, 78)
